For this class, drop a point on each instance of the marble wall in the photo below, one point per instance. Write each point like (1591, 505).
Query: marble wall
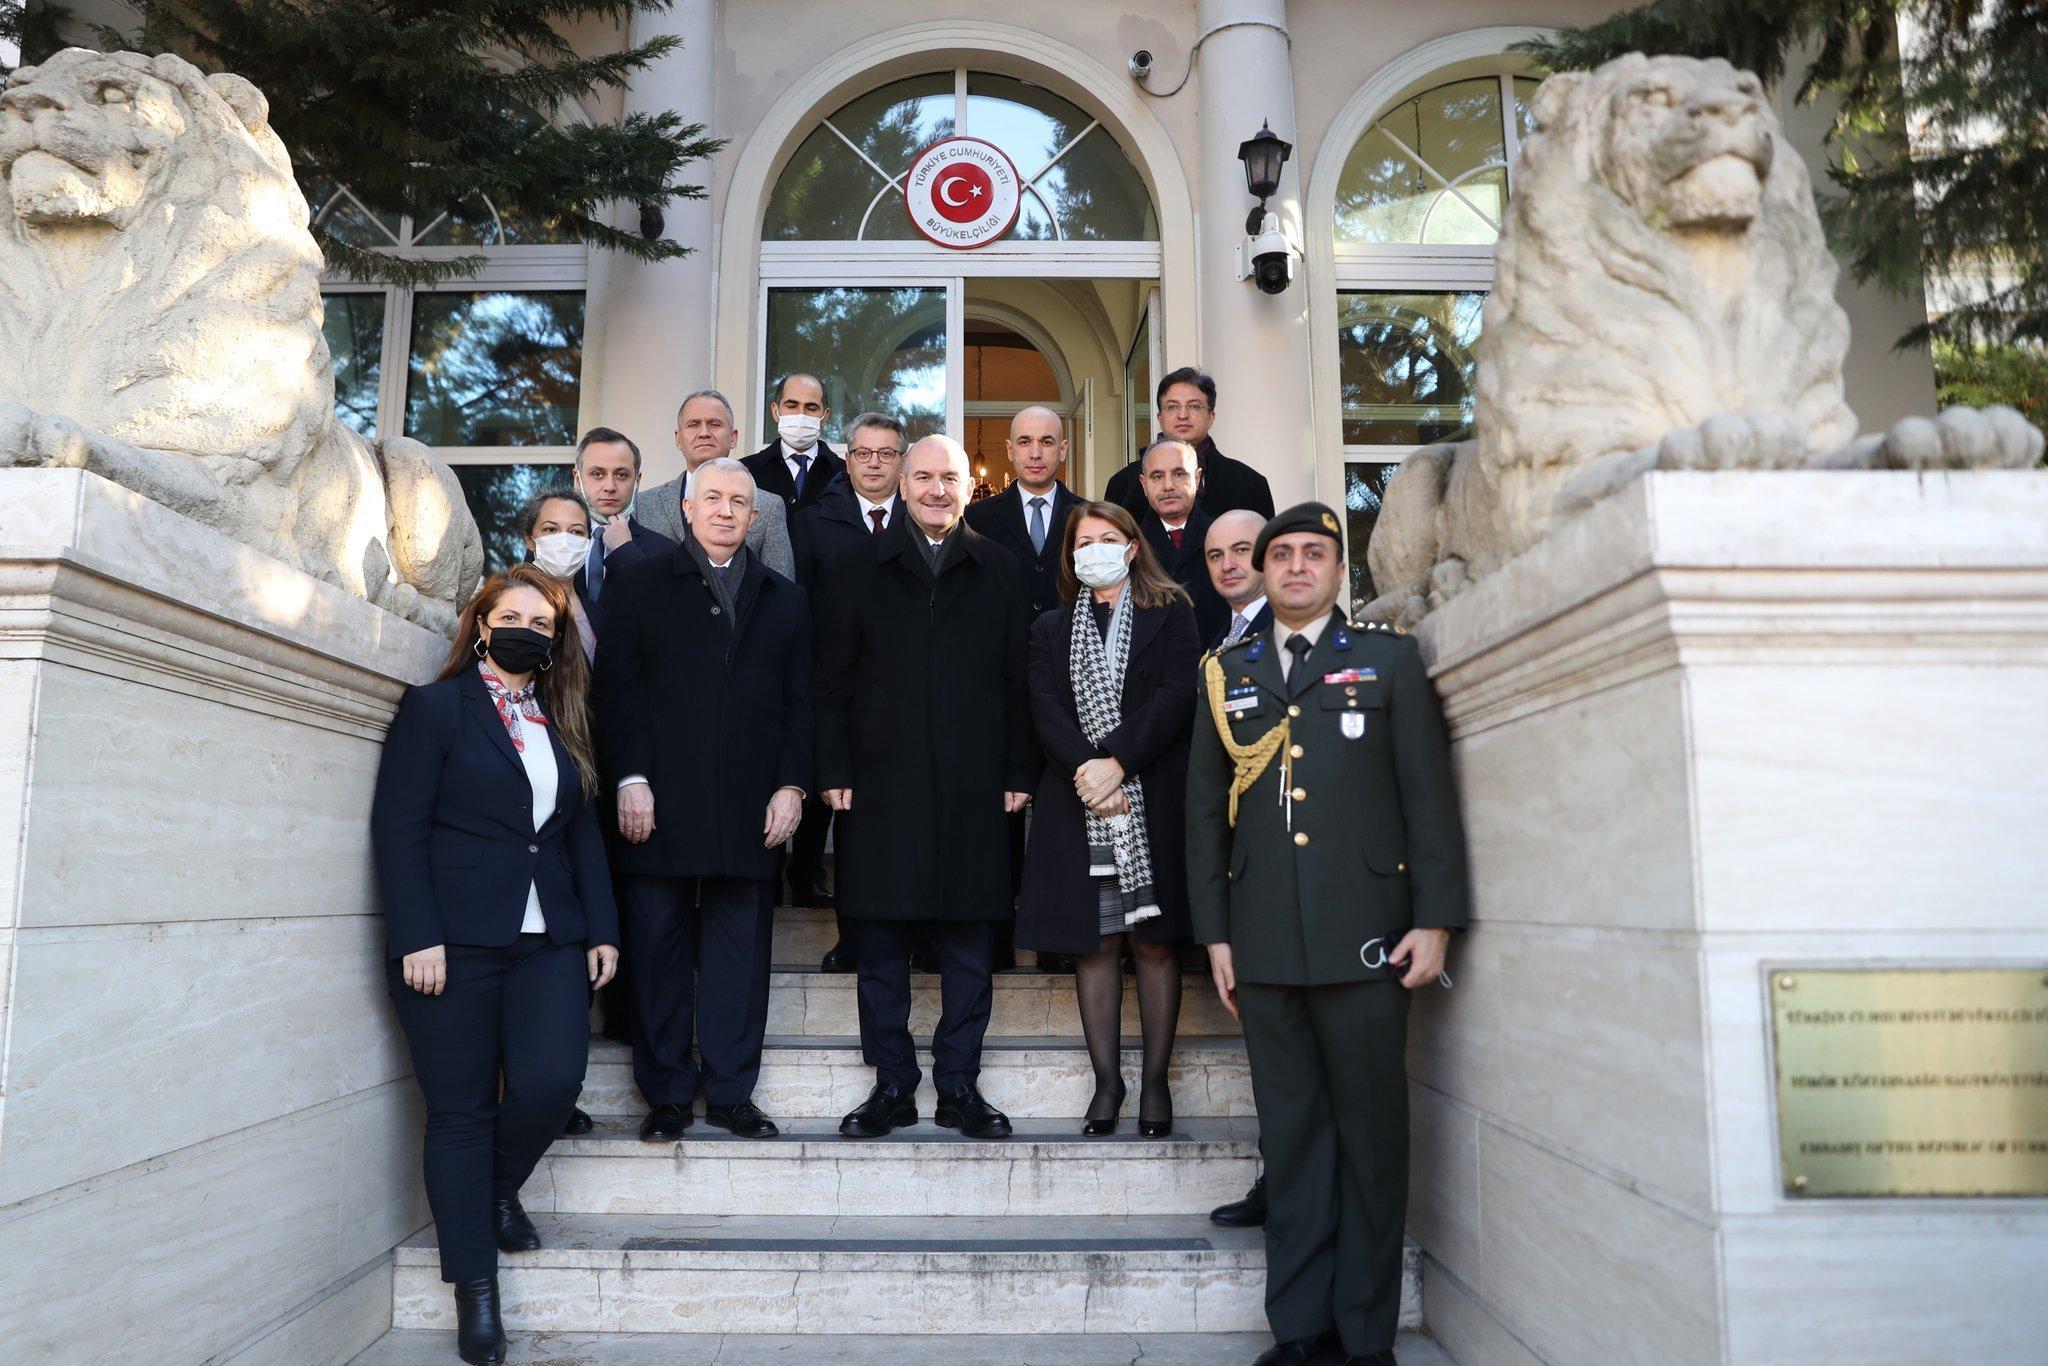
(1721, 722)
(207, 1119)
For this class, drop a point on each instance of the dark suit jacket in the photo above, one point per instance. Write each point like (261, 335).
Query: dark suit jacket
(1262, 620)
(1056, 911)
(826, 530)
(452, 829)
(771, 472)
(644, 543)
(1226, 485)
(715, 715)
(1004, 520)
(1189, 569)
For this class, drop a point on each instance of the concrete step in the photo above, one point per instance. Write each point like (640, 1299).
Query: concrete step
(421, 1347)
(818, 1077)
(1045, 1168)
(805, 1001)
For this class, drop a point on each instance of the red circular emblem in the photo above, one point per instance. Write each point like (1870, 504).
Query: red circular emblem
(962, 193)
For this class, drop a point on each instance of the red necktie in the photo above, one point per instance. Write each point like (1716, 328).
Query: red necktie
(1175, 536)
(876, 515)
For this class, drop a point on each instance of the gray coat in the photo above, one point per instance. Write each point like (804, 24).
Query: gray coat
(661, 509)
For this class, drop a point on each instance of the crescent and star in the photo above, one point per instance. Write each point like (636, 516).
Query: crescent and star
(945, 197)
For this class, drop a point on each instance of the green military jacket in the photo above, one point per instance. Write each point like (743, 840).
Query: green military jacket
(1320, 878)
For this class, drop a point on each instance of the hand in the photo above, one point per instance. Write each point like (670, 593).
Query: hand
(604, 964)
(426, 971)
(1117, 804)
(785, 809)
(1223, 972)
(1096, 779)
(1422, 953)
(636, 812)
(617, 532)
(1013, 802)
(839, 798)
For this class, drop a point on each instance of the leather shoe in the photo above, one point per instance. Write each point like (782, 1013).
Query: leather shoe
(1249, 1212)
(811, 893)
(1057, 962)
(974, 1117)
(838, 958)
(887, 1107)
(743, 1120)
(578, 1124)
(515, 1231)
(479, 1327)
(1322, 1349)
(665, 1123)
(1383, 1357)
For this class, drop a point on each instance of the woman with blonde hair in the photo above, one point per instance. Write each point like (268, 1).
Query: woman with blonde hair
(498, 917)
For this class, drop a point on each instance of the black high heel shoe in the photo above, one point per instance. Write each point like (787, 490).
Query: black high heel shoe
(1156, 1128)
(1100, 1128)
(479, 1327)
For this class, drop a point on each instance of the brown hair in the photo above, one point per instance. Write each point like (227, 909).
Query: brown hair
(1151, 585)
(564, 686)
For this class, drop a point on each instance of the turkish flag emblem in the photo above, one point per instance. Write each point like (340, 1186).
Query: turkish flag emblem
(963, 192)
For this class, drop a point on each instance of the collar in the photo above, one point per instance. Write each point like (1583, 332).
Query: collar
(865, 506)
(1313, 632)
(1170, 526)
(791, 453)
(1250, 611)
(1051, 496)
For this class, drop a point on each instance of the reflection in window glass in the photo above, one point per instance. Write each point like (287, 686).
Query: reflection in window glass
(495, 494)
(1431, 170)
(495, 369)
(354, 326)
(339, 212)
(1364, 487)
(878, 348)
(825, 190)
(1525, 94)
(1405, 365)
(485, 224)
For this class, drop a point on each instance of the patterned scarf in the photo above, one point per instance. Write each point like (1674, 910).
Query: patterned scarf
(513, 707)
(1115, 843)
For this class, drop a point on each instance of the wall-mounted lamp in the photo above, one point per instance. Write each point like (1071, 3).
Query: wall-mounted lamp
(652, 222)
(1265, 255)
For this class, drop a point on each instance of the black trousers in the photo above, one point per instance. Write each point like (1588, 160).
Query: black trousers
(881, 950)
(520, 1015)
(701, 946)
(1329, 1079)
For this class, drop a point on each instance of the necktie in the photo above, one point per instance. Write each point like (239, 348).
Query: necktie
(1237, 628)
(724, 572)
(1038, 525)
(803, 465)
(1175, 536)
(876, 515)
(1298, 647)
(593, 567)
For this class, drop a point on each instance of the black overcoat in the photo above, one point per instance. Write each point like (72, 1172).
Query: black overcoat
(1226, 485)
(923, 715)
(715, 717)
(1056, 910)
(827, 529)
(1189, 567)
(1002, 519)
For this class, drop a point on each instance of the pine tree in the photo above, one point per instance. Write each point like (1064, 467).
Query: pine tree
(1939, 146)
(426, 107)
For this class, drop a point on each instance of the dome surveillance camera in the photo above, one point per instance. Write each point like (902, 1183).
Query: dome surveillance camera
(1266, 257)
(1140, 64)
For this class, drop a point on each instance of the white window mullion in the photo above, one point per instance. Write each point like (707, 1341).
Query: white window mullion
(1511, 132)
(393, 361)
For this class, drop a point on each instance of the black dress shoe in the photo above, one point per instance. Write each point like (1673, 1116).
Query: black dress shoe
(577, 1125)
(743, 1120)
(1057, 962)
(1383, 1357)
(515, 1231)
(665, 1124)
(1155, 1128)
(887, 1107)
(838, 958)
(974, 1117)
(1321, 1350)
(811, 894)
(479, 1327)
(1249, 1212)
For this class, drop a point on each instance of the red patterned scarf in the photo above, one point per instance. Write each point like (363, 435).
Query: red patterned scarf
(522, 704)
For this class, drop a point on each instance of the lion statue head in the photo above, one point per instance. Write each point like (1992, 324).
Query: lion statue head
(154, 251)
(1662, 262)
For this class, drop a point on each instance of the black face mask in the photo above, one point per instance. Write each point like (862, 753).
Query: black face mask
(520, 651)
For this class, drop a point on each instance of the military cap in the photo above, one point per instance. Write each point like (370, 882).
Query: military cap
(1315, 517)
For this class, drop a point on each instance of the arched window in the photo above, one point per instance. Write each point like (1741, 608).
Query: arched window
(1419, 203)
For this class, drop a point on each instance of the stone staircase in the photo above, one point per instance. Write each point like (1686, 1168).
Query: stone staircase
(1044, 1247)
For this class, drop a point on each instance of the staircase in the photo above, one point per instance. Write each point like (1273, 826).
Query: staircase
(1046, 1247)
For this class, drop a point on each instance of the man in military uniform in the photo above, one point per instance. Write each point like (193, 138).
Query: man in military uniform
(1326, 865)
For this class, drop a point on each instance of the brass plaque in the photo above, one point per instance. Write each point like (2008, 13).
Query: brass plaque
(1914, 1081)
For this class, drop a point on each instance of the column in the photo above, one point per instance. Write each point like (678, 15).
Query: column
(1256, 345)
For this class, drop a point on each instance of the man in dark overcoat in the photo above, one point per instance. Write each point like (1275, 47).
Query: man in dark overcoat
(924, 749)
(706, 728)
(1185, 402)
(1178, 528)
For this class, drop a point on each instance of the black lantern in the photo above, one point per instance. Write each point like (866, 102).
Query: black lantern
(1263, 156)
(653, 223)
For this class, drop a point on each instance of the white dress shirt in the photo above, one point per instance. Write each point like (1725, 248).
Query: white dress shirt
(868, 507)
(537, 756)
(791, 456)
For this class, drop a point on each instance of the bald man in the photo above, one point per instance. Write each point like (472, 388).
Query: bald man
(1227, 555)
(1027, 518)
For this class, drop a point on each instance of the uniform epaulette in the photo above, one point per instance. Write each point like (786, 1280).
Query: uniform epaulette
(1378, 626)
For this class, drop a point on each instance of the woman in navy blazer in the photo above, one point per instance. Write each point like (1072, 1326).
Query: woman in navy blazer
(498, 912)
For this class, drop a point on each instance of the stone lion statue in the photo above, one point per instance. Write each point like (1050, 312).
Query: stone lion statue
(1663, 299)
(161, 295)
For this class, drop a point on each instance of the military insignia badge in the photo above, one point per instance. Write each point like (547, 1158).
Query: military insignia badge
(1330, 524)
(1353, 724)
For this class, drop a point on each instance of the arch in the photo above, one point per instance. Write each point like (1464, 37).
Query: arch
(1424, 65)
(1002, 48)
(1029, 328)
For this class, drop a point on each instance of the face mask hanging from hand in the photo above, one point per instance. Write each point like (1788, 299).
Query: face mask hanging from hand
(800, 430)
(561, 553)
(1102, 565)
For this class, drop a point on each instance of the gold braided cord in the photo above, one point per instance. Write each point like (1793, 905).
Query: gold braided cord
(1251, 759)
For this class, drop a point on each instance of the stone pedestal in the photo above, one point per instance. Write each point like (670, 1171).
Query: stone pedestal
(1722, 722)
(208, 1129)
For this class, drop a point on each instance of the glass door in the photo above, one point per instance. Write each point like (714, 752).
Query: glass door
(888, 346)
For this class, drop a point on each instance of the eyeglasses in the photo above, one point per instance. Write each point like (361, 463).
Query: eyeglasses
(873, 455)
(1183, 409)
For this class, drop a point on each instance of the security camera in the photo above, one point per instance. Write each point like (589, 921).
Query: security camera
(1140, 64)
(1267, 257)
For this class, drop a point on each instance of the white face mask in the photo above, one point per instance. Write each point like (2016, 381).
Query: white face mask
(798, 429)
(561, 553)
(1104, 564)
